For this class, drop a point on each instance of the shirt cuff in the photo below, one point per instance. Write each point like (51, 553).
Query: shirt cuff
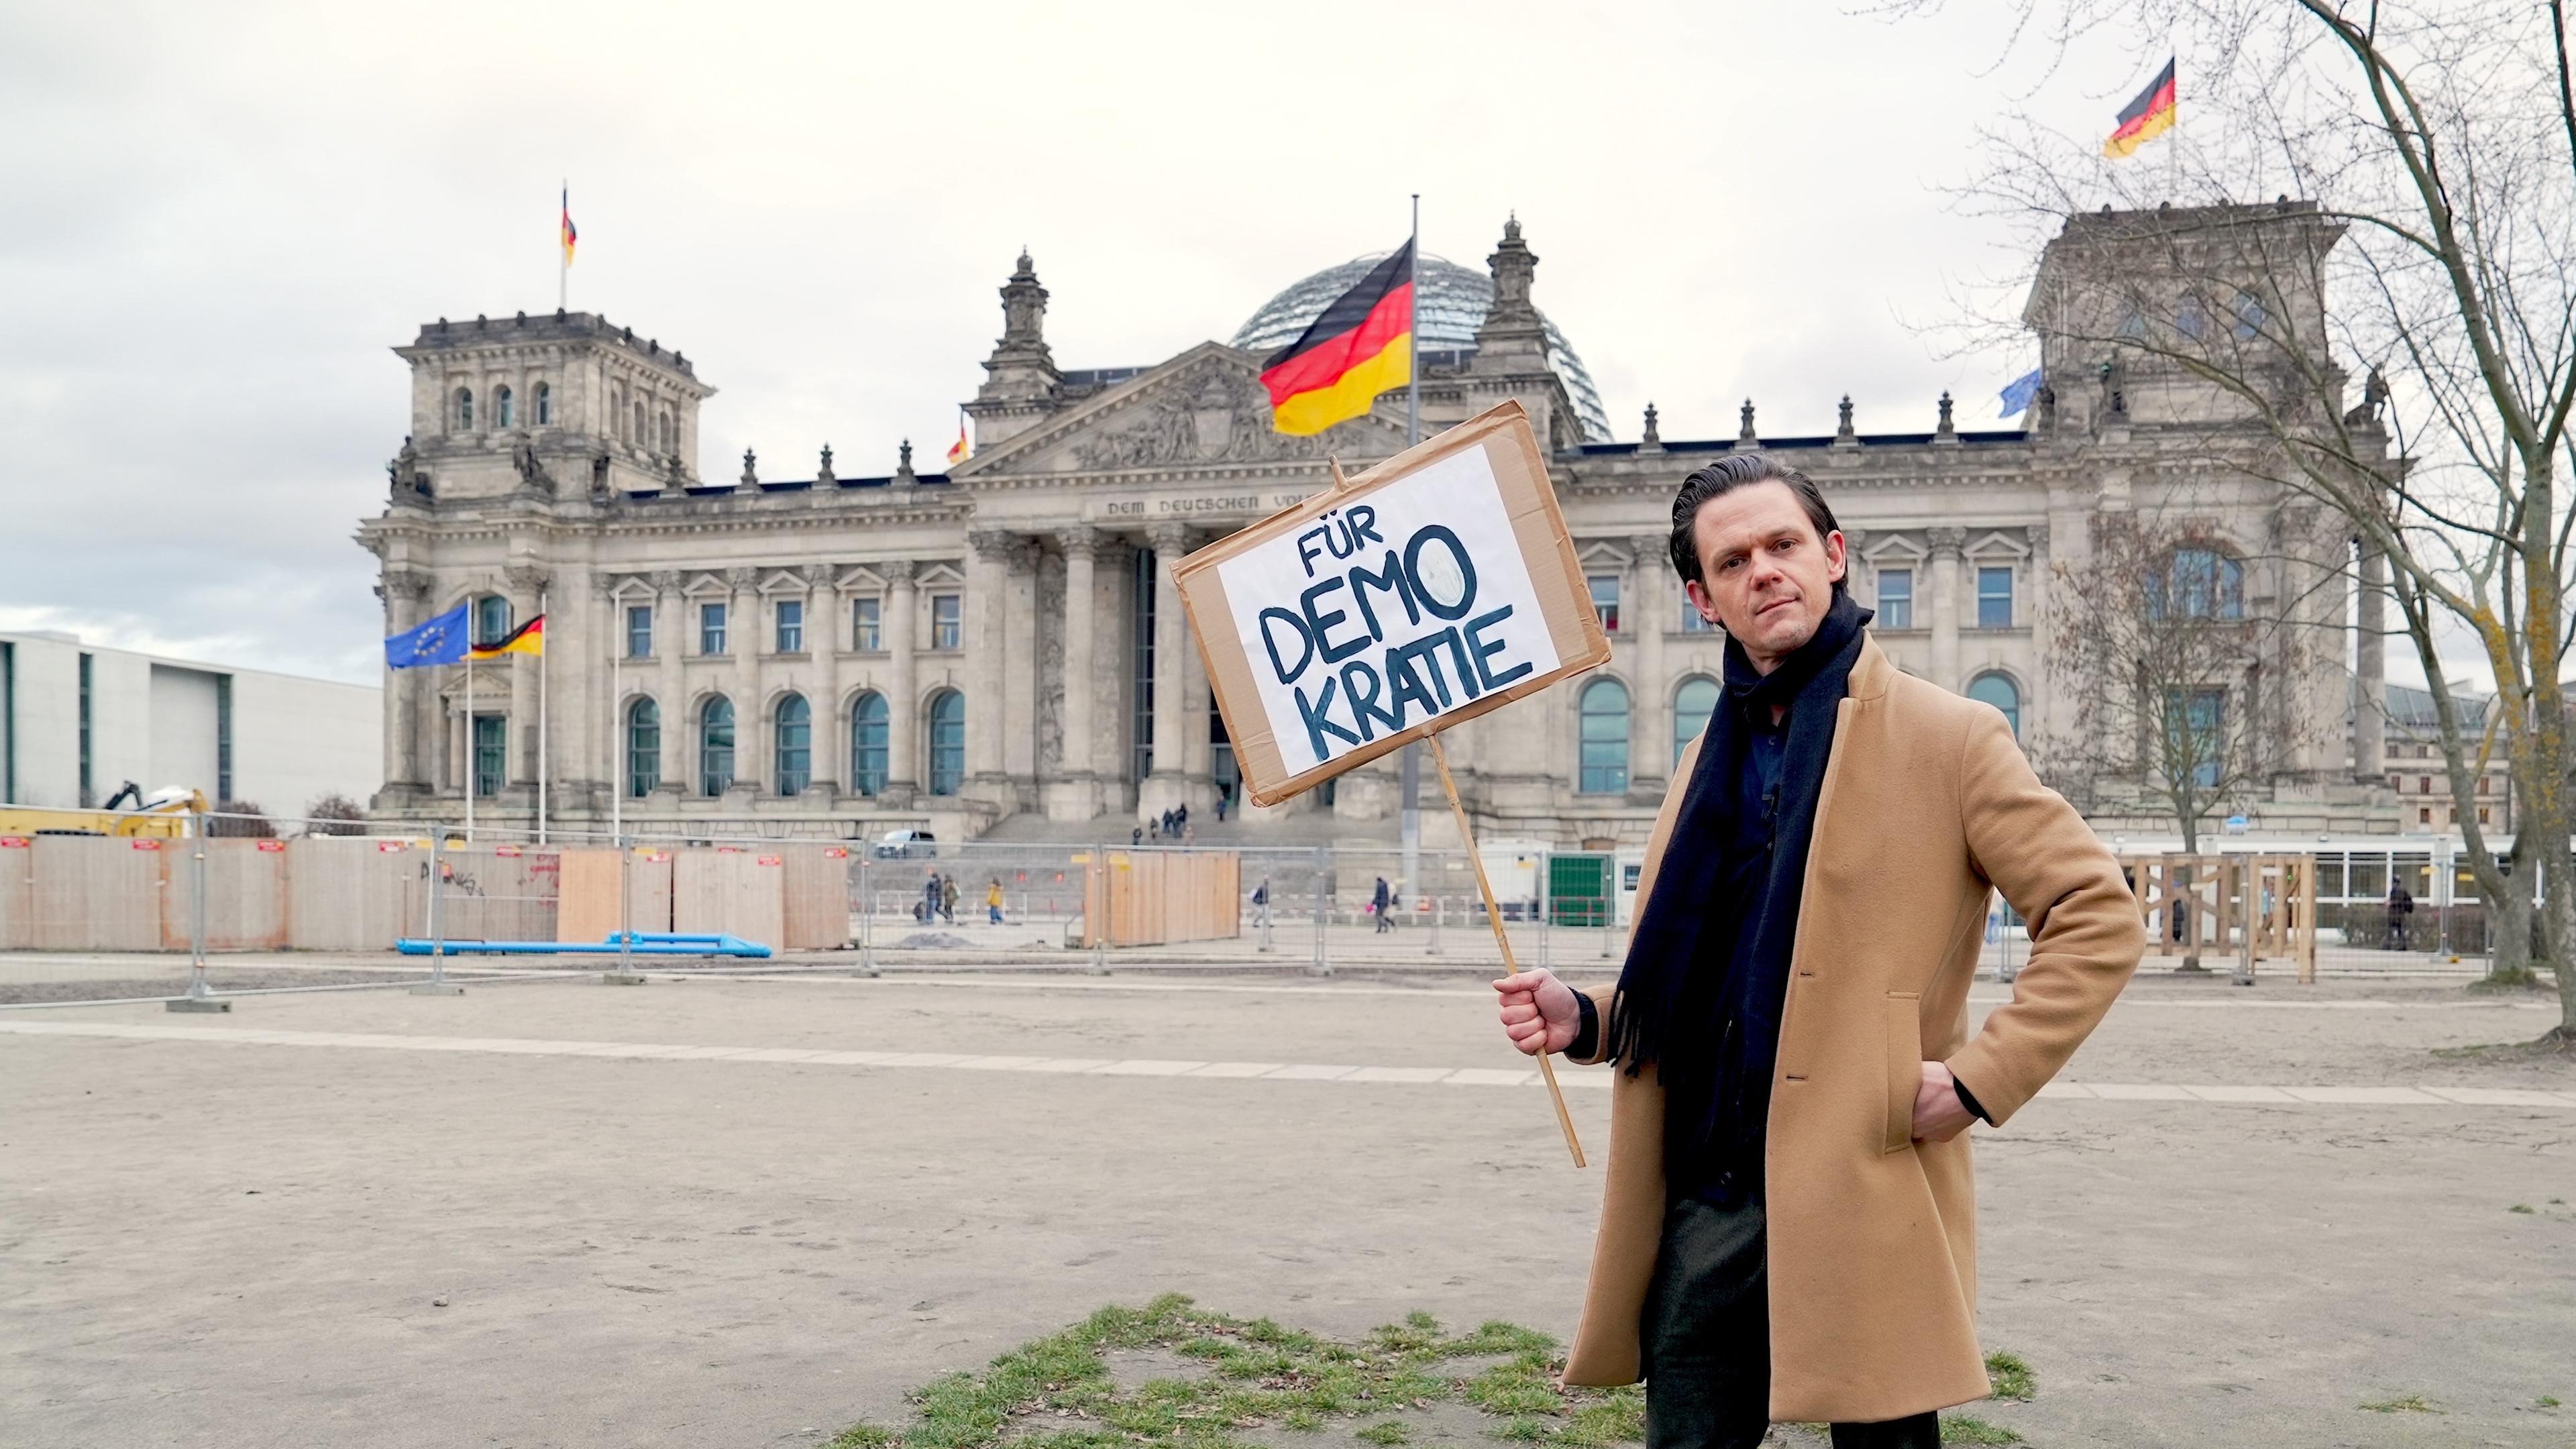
(1587, 1035)
(1968, 1100)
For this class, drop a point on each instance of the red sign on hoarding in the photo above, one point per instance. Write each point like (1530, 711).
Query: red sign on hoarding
(834, 852)
(147, 845)
(771, 860)
(13, 842)
(272, 847)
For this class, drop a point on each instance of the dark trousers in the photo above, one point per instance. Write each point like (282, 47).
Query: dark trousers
(1707, 1340)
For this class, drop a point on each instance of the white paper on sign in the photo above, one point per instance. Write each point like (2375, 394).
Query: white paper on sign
(1405, 604)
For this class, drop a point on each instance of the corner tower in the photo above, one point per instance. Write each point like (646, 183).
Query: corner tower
(564, 405)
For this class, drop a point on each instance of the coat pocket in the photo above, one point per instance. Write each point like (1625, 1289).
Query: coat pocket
(1904, 1027)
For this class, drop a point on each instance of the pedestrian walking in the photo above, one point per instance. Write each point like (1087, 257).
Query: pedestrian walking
(2401, 905)
(1379, 899)
(928, 910)
(948, 899)
(993, 901)
(1788, 1231)
(1261, 902)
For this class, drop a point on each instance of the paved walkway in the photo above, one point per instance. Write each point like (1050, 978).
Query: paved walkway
(1595, 1078)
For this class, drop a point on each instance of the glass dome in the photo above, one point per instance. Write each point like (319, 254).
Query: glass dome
(1449, 305)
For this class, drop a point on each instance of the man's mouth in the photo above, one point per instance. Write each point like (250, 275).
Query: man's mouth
(1774, 604)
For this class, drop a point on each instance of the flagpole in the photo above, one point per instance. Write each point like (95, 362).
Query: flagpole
(1409, 771)
(616, 747)
(563, 262)
(541, 721)
(473, 764)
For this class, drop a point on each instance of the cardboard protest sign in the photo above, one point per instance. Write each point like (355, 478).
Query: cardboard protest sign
(1435, 586)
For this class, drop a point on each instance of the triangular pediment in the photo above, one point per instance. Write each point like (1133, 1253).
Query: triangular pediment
(1204, 408)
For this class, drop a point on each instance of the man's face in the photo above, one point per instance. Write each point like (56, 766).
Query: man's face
(1765, 578)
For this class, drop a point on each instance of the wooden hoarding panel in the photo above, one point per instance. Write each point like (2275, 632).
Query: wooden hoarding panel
(1432, 588)
(586, 902)
(816, 903)
(17, 892)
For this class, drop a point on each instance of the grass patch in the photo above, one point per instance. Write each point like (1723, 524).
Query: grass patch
(2010, 1374)
(2411, 1404)
(2548, 1401)
(1056, 1393)
(1967, 1429)
(2522, 1207)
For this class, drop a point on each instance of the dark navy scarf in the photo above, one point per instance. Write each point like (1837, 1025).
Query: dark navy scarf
(1707, 972)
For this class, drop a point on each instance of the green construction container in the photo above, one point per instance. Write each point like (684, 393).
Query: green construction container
(1578, 890)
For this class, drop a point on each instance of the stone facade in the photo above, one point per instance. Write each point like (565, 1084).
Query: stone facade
(1000, 647)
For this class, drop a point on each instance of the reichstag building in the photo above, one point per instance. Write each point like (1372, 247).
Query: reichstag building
(999, 649)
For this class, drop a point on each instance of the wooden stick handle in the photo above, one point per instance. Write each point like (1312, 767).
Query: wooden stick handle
(1494, 918)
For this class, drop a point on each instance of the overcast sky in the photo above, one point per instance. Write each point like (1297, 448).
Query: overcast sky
(220, 217)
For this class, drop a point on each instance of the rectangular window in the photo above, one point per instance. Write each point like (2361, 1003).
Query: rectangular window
(639, 631)
(711, 629)
(946, 620)
(86, 774)
(864, 616)
(223, 737)
(1692, 623)
(791, 626)
(491, 751)
(1896, 598)
(2196, 734)
(8, 720)
(1140, 730)
(1994, 598)
(1605, 599)
(491, 619)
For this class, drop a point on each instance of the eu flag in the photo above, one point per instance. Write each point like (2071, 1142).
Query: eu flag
(2020, 393)
(440, 641)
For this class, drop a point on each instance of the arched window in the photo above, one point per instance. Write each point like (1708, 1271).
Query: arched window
(465, 410)
(868, 744)
(2191, 319)
(1602, 738)
(715, 746)
(795, 745)
(947, 742)
(2197, 582)
(491, 619)
(2249, 317)
(1693, 703)
(1999, 690)
(643, 748)
(503, 415)
(641, 437)
(2133, 327)
(670, 438)
(545, 404)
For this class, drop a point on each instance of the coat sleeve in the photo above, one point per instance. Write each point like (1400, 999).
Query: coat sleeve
(2085, 931)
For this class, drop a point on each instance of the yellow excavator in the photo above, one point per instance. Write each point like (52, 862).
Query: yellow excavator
(164, 814)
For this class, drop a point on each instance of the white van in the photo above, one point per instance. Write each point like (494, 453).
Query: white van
(907, 845)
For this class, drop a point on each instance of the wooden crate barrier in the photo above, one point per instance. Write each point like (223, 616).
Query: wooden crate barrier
(1150, 898)
(2226, 898)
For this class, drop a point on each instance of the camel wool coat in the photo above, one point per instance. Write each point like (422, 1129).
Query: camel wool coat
(1927, 802)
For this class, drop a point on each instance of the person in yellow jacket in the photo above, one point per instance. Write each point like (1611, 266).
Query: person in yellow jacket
(993, 900)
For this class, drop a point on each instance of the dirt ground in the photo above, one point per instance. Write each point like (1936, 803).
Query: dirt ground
(265, 1243)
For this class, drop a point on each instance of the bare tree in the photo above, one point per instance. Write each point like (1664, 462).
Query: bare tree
(2176, 683)
(2433, 149)
(239, 820)
(333, 813)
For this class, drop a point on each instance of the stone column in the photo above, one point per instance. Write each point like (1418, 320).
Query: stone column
(987, 581)
(403, 593)
(742, 638)
(1020, 667)
(1078, 797)
(903, 698)
(1164, 787)
(1946, 546)
(2370, 670)
(830, 736)
(1651, 604)
(670, 637)
(528, 597)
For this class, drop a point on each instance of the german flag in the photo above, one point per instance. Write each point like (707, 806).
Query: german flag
(1360, 347)
(528, 638)
(2147, 117)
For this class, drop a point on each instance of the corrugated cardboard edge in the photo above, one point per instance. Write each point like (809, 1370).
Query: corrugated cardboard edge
(1520, 472)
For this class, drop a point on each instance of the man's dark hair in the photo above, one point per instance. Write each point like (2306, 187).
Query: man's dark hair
(1724, 476)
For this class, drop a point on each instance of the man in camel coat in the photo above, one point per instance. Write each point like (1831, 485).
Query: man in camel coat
(1788, 1230)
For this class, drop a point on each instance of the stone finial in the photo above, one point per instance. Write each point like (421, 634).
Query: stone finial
(1653, 441)
(1947, 429)
(1843, 421)
(1511, 340)
(903, 464)
(1024, 307)
(1744, 433)
(750, 469)
(823, 474)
